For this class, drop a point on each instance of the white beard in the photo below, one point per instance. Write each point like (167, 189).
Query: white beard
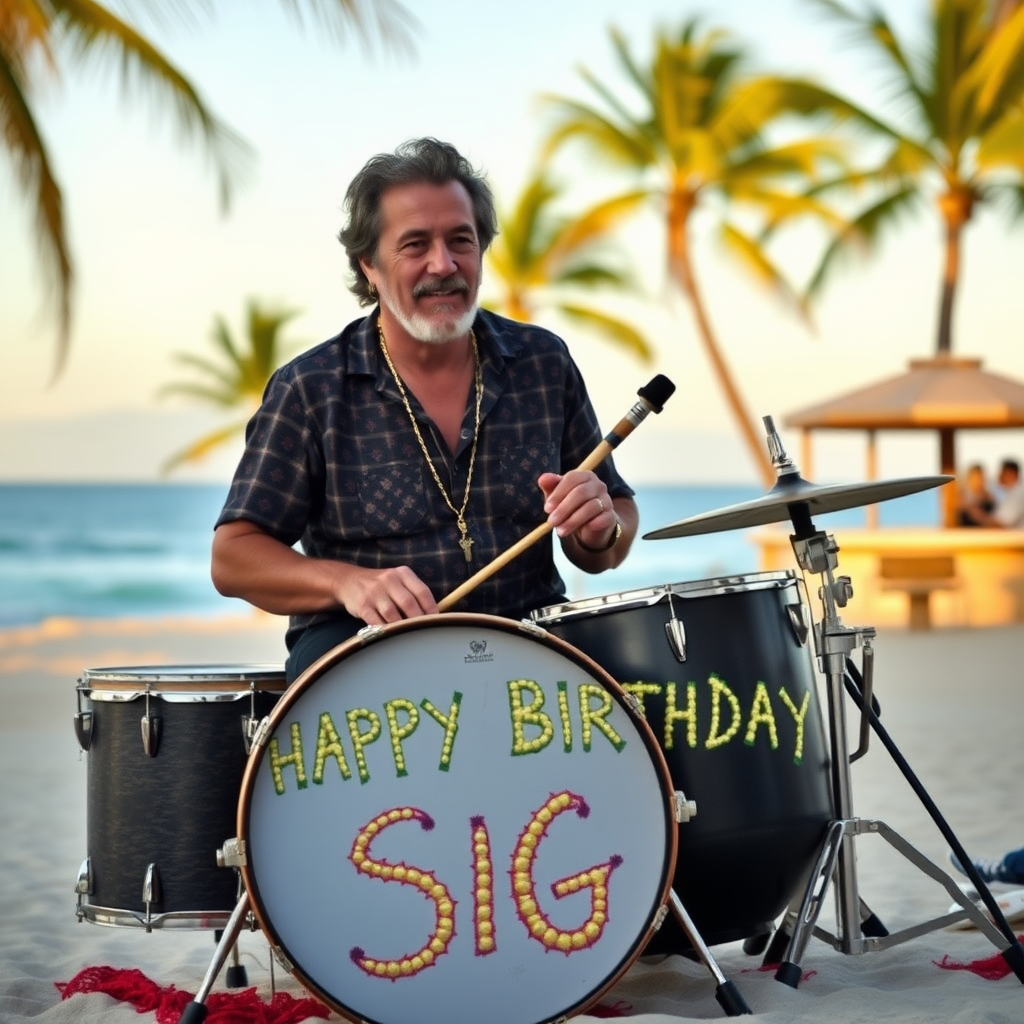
(427, 329)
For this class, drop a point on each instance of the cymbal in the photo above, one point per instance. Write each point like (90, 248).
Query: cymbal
(792, 489)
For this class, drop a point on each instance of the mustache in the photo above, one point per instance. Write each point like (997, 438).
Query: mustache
(452, 283)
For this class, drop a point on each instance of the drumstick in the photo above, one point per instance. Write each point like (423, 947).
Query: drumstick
(653, 397)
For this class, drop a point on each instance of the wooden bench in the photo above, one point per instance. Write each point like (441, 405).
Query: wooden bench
(918, 576)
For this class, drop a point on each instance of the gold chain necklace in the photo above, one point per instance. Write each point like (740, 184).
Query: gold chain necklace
(465, 541)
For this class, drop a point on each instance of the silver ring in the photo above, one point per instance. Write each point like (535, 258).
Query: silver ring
(600, 504)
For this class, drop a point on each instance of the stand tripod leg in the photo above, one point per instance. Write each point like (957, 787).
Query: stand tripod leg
(806, 917)
(195, 1012)
(726, 993)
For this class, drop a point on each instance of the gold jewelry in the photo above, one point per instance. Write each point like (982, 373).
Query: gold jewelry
(465, 541)
(616, 534)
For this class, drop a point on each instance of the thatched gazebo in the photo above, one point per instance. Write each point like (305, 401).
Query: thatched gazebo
(944, 394)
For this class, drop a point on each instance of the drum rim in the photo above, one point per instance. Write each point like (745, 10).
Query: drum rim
(182, 683)
(527, 630)
(644, 597)
(187, 670)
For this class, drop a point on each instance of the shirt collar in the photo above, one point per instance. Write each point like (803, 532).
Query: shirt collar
(362, 348)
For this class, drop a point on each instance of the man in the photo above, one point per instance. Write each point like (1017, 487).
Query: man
(409, 451)
(1008, 513)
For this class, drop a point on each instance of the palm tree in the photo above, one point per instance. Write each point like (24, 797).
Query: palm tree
(959, 141)
(541, 258)
(700, 135)
(38, 38)
(235, 380)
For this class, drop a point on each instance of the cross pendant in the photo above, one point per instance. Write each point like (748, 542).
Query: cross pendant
(466, 542)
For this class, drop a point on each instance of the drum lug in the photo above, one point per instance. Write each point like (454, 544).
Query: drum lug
(676, 633)
(152, 892)
(282, 958)
(370, 633)
(250, 727)
(83, 887)
(685, 809)
(250, 723)
(659, 917)
(232, 854)
(150, 734)
(83, 728)
(798, 622)
(531, 628)
(150, 730)
(256, 733)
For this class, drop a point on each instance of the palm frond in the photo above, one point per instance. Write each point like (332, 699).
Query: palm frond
(391, 21)
(31, 161)
(94, 34)
(1003, 144)
(996, 77)
(201, 448)
(864, 233)
(595, 223)
(592, 275)
(754, 257)
(620, 143)
(1009, 197)
(612, 327)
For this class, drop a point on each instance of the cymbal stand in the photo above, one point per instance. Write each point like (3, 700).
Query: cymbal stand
(858, 930)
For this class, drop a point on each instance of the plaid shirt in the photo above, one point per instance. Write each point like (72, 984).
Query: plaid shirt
(331, 462)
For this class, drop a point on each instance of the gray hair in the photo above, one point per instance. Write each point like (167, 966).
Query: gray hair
(413, 162)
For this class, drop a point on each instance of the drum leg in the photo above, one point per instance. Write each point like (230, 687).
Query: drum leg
(236, 975)
(195, 1012)
(726, 993)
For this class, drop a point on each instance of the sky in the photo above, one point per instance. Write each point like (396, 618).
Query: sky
(156, 260)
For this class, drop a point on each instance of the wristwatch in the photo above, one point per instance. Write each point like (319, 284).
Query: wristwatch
(616, 534)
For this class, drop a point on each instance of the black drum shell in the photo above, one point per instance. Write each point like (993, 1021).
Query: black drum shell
(761, 817)
(174, 809)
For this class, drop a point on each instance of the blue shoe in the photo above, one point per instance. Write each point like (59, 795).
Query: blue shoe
(991, 870)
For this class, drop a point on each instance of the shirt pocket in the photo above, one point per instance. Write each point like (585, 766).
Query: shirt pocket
(521, 465)
(392, 499)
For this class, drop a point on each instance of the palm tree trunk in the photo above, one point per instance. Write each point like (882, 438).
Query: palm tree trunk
(955, 207)
(682, 272)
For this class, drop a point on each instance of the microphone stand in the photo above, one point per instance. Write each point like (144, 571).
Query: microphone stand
(858, 929)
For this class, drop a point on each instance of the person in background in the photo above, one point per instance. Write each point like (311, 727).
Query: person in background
(421, 442)
(1008, 513)
(1007, 870)
(974, 494)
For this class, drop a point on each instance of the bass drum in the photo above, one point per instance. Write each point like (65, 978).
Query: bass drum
(723, 670)
(457, 817)
(167, 746)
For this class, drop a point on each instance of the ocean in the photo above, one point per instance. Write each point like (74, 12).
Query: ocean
(142, 550)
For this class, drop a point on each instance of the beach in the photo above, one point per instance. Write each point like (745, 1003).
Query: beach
(951, 700)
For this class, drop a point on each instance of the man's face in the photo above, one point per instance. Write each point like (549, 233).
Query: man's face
(427, 268)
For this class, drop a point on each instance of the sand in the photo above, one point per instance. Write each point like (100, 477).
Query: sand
(952, 700)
